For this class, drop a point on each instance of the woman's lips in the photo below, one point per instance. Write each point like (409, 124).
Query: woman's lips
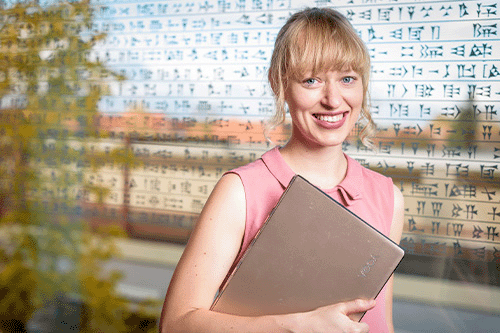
(329, 118)
(329, 121)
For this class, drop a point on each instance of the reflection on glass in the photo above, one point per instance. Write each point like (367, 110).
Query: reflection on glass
(117, 119)
(51, 275)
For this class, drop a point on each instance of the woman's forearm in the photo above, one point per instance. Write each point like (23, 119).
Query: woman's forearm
(328, 319)
(203, 321)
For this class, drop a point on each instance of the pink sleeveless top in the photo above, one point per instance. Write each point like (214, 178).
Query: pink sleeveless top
(367, 193)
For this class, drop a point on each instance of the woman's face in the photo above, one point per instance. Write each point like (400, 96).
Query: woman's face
(324, 107)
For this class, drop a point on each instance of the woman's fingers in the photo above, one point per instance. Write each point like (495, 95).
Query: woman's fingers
(357, 306)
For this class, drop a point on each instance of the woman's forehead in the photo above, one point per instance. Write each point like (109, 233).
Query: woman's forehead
(320, 57)
(307, 69)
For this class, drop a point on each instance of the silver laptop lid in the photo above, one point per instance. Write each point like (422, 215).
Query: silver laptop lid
(310, 252)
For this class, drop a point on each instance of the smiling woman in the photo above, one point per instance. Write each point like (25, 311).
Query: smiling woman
(319, 105)
(319, 69)
(316, 42)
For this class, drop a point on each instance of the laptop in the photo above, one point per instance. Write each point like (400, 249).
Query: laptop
(310, 252)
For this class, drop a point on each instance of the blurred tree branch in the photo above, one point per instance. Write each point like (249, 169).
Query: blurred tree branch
(49, 95)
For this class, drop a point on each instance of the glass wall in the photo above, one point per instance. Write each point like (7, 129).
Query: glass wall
(118, 117)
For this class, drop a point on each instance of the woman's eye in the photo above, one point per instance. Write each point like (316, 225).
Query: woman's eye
(348, 79)
(310, 82)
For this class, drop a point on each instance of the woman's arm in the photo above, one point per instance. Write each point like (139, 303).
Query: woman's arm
(394, 234)
(212, 247)
(208, 256)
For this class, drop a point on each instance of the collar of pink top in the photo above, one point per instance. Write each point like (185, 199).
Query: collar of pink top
(349, 189)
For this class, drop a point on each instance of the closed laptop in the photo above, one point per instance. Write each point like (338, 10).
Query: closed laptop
(310, 252)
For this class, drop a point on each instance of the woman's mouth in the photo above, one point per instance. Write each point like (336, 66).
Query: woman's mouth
(329, 118)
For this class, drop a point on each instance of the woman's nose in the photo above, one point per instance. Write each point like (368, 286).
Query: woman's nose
(332, 96)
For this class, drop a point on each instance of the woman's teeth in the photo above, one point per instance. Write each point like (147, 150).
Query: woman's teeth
(330, 119)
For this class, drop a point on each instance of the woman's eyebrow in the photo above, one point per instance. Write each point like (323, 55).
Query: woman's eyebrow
(347, 70)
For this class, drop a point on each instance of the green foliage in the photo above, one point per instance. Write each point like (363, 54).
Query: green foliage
(46, 249)
(462, 133)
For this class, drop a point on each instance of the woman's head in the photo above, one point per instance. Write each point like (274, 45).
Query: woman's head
(312, 41)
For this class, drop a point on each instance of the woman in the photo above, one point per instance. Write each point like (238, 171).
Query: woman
(319, 69)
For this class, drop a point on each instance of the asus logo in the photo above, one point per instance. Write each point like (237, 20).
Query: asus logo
(368, 266)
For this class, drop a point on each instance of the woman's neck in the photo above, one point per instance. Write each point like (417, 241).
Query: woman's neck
(325, 167)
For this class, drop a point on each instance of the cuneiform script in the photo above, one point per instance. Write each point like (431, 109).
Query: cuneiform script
(195, 99)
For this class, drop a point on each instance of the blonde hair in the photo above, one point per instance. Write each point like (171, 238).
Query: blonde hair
(315, 40)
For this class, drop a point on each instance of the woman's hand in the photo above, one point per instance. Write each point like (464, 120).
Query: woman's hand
(335, 318)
